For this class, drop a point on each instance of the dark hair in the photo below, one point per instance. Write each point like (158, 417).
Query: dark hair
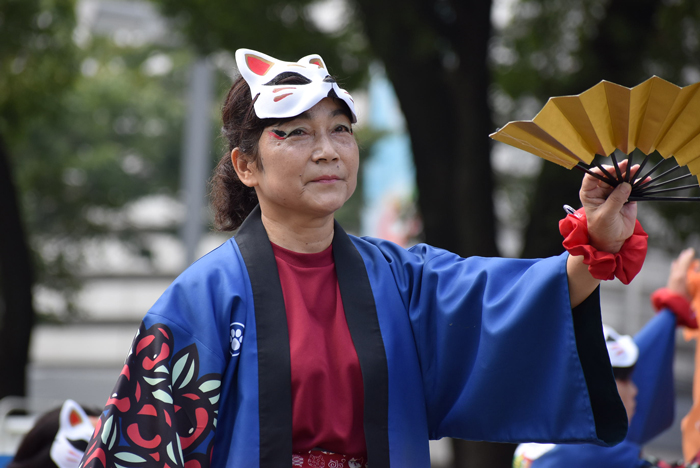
(231, 200)
(35, 449)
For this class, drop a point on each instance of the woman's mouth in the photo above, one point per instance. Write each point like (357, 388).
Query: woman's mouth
(327, 179)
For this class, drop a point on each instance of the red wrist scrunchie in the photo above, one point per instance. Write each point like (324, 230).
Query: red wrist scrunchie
(664, 298)
(624, 264)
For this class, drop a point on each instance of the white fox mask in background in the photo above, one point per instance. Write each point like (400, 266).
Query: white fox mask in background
(74, 433)
(263, 73)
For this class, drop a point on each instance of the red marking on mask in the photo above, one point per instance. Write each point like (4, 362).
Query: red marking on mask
(258, 65)
(279, 98)
(317, 62)
(74, 418)
(277, 90)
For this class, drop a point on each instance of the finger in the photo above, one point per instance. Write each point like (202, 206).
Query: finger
(685, 258)
(679, 266)
(616, 200)
(591, 183)
(594, 192)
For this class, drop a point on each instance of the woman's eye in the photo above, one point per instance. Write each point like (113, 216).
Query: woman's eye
(343, 128)
(296, 132)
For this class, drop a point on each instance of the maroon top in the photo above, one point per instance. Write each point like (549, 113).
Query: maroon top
(327, 390)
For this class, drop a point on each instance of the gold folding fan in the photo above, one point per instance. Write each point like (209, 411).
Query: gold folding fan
(653, 116)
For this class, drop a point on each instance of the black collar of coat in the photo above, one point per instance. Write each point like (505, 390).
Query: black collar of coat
(274, 372)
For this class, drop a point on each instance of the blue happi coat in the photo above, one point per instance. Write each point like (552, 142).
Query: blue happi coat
(475, 348)
(653, 376)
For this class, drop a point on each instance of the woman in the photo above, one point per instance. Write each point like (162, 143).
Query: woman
(296, 344)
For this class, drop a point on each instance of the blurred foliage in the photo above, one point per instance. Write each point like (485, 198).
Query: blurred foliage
(114, 138)
(281, 28)
(560, 47)
(94, 124)
(38, 60)
(554, 47)
(89, 127)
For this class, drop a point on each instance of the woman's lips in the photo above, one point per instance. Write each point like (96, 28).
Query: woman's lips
(326, 179)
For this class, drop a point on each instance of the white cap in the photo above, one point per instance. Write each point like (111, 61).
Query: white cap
(622, 349)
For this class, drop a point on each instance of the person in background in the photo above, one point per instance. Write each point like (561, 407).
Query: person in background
(58, 439)
(643, 369)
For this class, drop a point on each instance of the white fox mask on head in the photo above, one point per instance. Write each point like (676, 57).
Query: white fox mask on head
(263, 73)
(74, 433)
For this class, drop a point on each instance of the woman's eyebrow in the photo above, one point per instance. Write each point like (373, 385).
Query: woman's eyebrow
(304, 115)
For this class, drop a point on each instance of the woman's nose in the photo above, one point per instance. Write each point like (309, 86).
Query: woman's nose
(324, 150)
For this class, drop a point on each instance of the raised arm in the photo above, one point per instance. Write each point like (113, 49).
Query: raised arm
(611, 221)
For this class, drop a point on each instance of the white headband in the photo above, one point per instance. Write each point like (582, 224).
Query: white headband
(263, 73)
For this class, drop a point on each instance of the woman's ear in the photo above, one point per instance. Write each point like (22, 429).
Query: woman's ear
(246, 170)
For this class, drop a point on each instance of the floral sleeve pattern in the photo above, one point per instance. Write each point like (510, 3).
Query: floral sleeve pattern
(162, 413)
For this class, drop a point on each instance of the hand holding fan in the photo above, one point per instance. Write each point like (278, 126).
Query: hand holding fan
(653, 116)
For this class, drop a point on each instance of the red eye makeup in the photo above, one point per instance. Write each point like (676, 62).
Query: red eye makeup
(278, 134)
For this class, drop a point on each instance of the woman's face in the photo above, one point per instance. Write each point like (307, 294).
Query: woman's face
(308, 165)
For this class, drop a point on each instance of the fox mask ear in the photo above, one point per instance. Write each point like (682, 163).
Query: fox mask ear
(257, 64)
(74, 432)
(255, 67)
(72, 415)
(314, 60)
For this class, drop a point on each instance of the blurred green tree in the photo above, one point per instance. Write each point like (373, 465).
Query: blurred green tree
(37, 63)
(86, 129)
(117, 140)
(560, 47)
